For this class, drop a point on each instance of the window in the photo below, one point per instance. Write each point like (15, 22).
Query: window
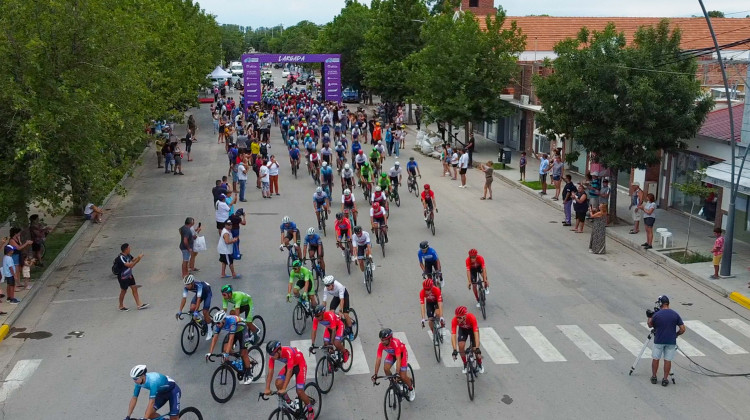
(473, 3)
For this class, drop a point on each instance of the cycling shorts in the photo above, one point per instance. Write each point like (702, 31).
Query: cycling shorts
(361, 251)
(301, 285)
(313, 250)
(391, 359)
(380, 220)
(336, 301)
(206, 302)
(463, 334)
(300, 371)
(339, 331)
(430, 308)
(173, 397)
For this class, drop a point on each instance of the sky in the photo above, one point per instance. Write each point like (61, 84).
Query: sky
(268, 13)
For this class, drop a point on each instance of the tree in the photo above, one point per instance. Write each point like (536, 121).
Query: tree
(716, 14)
(462, 70)
(232, 43)
(695, 187)
(394, 36)
(345, 35)
(297, 39)
(625, 104)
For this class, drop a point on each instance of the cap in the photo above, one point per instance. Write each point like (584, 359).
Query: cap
(663, 299)
(222, 197)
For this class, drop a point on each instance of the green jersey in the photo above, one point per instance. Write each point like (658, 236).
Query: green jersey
(304, 275)
(366, 172)
(374, 155)
(384, 183)
(238, 300)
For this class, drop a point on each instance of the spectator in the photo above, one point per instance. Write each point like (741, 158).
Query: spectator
(568, 194)
(18, 247)
(604, 193)
(648, 219)
(191, 124)
(237, 219)
(557, 168)
(125, 264)
(10, 272)
(265, 179)
(718, 251)
(543, 168)
(598, 233)
(446, 159)
(225, 250)
(636, 199)
(193, 254)
(217, 191)
(667, 325)
(159, 156)
(470, 148)
(580, 205)
(594, 187)
(93, 213)
(522, 167)
(186, 244)
(463, 164)
(389, 139)
(177, 156)
(488, 178)
(38, 232)
(241, 171)
(256, 168)
(273, 172)
(166, 151)
(418, 116)
(223, 208)
(26, 272)
(189, 136)
(454, 164)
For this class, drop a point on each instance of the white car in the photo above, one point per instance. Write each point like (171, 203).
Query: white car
(285, 73)
(266, 71)
(235, 68)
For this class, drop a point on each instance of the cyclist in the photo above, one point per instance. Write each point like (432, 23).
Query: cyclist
(347, 178)
(465, 325)
(384, 183)
(289, 233)
(301, 278)
(413, 168)
(236, 328)
(294, 364)
(359, 160)
(378, 214)
(429, 261)
(343, 229)
(375, 158)
(294, 155)
(365, 175)
(339, 300)
(431, 303)
(349, 204)
(379, 197)
(309, 144)
(326, 152)
(242, 305)
(381, 152)
(314, 159)
(337, 131)
(326, 174)
(356, 147)
(203, 295)
(395, 175)
(428, 201)
(162, 389)
(340, 155)
(362, 240)
(475, 265)
(314, 246)
(333, 327)
(396, 354)
(321, 204)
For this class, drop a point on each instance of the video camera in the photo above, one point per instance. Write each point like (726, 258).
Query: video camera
(661, 300)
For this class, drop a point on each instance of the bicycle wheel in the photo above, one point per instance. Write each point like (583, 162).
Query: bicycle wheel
(355, 322)
(316, 398)
(294, 171)
(432, 226)
(470, 379)
(260, 324)
(190, 413)
(392, 404)
(255, 354)
(368, 278)
(279, 414)
(190, 338)
(410, 374)
(42, 249)
(299, 319)
(382, 243)
(397, 199)
(323, 225)
(324, 374)
(482, 302)
(346, 367)
(347, 258)
(416, 189)
(213, 310)
(223, 383)
(289, 261)
(436, 340)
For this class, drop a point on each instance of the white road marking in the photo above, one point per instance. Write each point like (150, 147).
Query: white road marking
(303, 346)
(412, 358)
(446, 350)
(494, 346)
(626, 339)
(724, 344)
(21, 371)
(359, 364)
(586, 344)
(683, 345)
(738, 325)
(84, 300)
(539, 343)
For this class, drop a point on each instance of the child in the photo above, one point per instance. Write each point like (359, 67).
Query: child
(26, 272)
(718, 250)
(522, 166)
(9, 272)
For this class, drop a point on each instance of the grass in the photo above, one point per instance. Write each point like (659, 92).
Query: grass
(688, 258)
(57, 240)
(535, 185)
(500, 166)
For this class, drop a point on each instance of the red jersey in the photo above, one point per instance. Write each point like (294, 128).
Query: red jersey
(470, 323)
(434, 295)
(290, 357)
(395, 348)
(477, 264)
(343, 226)
(379, 213)
(428, 195)
(330, 320)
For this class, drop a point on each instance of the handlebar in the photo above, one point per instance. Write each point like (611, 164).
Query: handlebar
(389, 377)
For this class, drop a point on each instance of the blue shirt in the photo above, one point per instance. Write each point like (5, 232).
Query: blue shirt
(201, 290)
(327, 173)
(665, 323)
(543, 165)
(411, 165)
(232, 324)
(356, 147)
(156, 383)
(325, 129)
(294, 153)
(388, 136)
(428, 257)
(320, 199)
(289, 227)
(8, 266)
(313, 239)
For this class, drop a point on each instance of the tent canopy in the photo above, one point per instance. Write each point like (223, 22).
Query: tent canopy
(219, 73)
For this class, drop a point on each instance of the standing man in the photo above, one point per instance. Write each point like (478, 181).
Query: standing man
(418, 116)
(543, 168)
(273, 173)
(636, 199)
(125, 263)
(238, 218)
(568, 192)
(667, 325)
(242, 178)
(186, 244)
(463, 166)
(265, 179)
(470, 148)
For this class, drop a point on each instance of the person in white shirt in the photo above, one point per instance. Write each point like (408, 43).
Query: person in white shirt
(273, 173)
(224, 248)
(454, 164)
(265, 180)
(242, 178)
(339, 299)
(463, 165)
(222, 210)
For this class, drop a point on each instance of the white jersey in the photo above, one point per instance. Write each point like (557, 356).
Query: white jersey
(347, 173)
(338, 290)
(326, 151)
(394, 172)
(351, 200)
(360, 158)
(361, 240)
(380, 148)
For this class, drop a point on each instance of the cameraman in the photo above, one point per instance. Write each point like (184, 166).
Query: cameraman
(667, 325)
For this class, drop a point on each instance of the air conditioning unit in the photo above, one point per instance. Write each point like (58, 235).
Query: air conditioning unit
(524, 99)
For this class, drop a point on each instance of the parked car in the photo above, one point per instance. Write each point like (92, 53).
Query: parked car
(277, 65)
(235, 68)
(350, 95)
(285, 73)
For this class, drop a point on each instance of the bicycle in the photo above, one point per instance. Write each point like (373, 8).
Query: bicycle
(332, 361)
(232, 370)
(413, 186)
(381, 236)
(260, 325)
(302, 310)
(187, 413)
(193, 330)
(437, 336)
(295, 409)
(393, 196)
(367, 190)
(431, 220)
(481, 292)
(369, 277)
(472, 369)
(321, 214)
(295, 168)
(396, 391)
(354, 329)
(317, 271)
(291, 257)
(347, 250)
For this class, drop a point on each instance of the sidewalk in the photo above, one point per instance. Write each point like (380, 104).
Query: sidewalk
(701, 233)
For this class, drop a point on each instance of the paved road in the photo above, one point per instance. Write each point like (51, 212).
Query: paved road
(545, 289)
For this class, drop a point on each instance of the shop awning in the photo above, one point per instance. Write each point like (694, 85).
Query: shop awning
(721, 174)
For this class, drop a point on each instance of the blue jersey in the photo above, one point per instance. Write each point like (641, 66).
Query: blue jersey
(320, 199)
(325, 129)
(156, 383)
(294, 153)
(327, 173)
(411, 166)
(201, 290)
(428, 257)
(288, 227)
(341, 150)
(313, 239)
(232, 324)
(285, 125)
(356, 147)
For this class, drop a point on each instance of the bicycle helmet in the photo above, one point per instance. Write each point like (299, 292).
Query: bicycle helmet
(219, 316)
(396, 164)
(357, 229)
(327, 135)
(411, 158)
(319, 310)
(473, 252)
(461, 311)
(424, 245)
(361, 152)
(311, 231)
(378, 189)
(273, 346)
(286, 220)
(347, 192)
(366, 164)
(227, 288)
(138, 371)
(324, 165)
(339, 144)
(428, 284)
(346, 166)
(376, 206)
(188, 279)
(296, 264)
(385, 333)
(426, 187)
(383, 175)
(319, 189)
(328, 280)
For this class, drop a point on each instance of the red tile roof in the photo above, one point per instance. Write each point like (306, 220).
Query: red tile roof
(717, 123)
(543, 32)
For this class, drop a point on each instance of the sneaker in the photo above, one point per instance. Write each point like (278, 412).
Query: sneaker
(14, 301)
(209, 334)
(464, 369)
(479, 305)
(310, 413)
(124, 309)
(144, 306)
(481, 369)
(654, 380)
(351, 336)
(413, 394)
(343, 254)
(354, 258)
(247, 380)
(487, 291)
(664, 382)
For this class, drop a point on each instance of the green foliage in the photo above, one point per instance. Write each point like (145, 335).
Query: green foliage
(345, 35)
(688, 257)
(297, 39)
(534, 185)
(232, 43)
(694, 185)
(78, 82)
(394, 36)
(715, 14)
(462, 70)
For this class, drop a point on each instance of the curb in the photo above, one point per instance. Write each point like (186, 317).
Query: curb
(737, 297)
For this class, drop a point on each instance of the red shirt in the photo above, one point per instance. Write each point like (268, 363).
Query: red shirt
(432, 296)
(290, 357)
(478, 263)
(343, 226)
(429, 196)
(330, 320)
(470, 323)
(395, 348)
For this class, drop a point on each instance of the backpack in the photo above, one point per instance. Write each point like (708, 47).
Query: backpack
(117, 266)
(263, 149)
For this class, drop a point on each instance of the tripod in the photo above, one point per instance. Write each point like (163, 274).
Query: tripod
(643, 350)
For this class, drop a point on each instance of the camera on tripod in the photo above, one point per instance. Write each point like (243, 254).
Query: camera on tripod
(661, 300)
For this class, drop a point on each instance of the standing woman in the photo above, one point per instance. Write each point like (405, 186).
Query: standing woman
(557, 173)
(222, 123)
(648, 219)
(488, 177)
(580, 205)
(598, 234)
